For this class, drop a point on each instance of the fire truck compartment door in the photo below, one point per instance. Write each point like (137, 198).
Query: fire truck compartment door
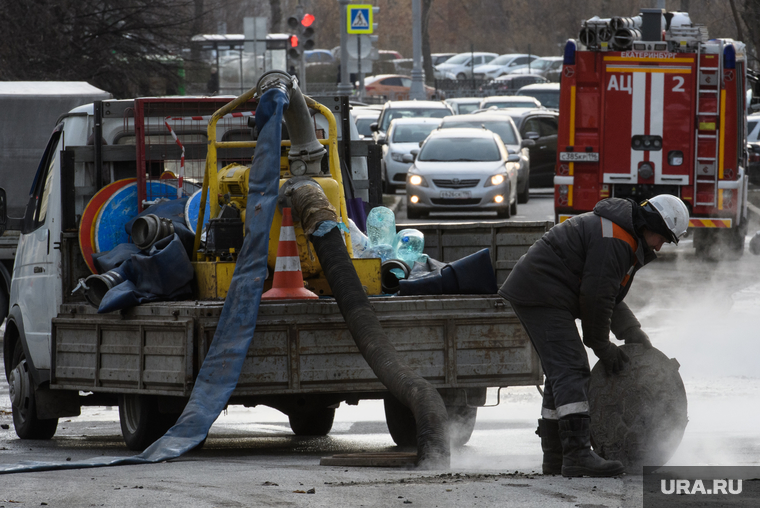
(652, 101)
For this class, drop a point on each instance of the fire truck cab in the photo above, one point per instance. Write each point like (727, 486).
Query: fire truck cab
(649, 105)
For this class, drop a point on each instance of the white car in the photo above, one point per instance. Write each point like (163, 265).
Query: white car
(502, 65)
(462, 170)
(464, 105)
(407, 109)
(509, 101)
(404, 135)
(364, 118)
(546, 93)
(546, 66)
(460, 66)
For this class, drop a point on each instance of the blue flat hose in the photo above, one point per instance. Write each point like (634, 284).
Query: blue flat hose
(221, 368)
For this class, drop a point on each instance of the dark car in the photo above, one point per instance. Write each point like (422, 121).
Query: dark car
(511, 83)
(540, 125)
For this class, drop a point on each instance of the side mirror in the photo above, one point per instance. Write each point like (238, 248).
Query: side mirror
(754, 148)
(527, 143)
(381, 141)
(513, 157)
(415, 151)
(408, 158)
(532, 135)
(373, 127)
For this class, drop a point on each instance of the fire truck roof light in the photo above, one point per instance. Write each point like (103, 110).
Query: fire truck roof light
(729, 57)
(569, 53)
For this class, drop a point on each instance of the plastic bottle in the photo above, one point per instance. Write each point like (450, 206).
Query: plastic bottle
(381, 226)
(409, 244)
(359, 241)
(383, 251)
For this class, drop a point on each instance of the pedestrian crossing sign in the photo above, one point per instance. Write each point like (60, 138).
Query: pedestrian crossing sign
(359, 19)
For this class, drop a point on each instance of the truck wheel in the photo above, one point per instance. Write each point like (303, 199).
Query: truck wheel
(400, 421)
(141, 421)
(403, 428)
(314, 423)
(25, 420)
(461, 423)
(3, 305)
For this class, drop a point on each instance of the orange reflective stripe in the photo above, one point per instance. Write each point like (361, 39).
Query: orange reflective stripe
(612, 230)
(618, 232)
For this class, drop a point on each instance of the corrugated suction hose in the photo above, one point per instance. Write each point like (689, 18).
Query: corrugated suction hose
(433, 448)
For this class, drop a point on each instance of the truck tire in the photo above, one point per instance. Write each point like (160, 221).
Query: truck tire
(3, 304)
(25, 420)
(141, 421)
(639, 415)
(403, 428)
(314, 423)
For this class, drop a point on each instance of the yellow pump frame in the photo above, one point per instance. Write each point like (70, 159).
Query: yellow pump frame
(210, 187)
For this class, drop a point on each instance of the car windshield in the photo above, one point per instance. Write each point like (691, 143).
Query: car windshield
(467, 108)
(362, 125)
(503, 129)
(750, 127)
(412, 133)
(548, 99)
(459, 59)
(509, 104)
(459, 150)
(392, 114)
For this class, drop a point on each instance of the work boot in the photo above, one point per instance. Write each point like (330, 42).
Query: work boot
(548, 431)
(578, 459)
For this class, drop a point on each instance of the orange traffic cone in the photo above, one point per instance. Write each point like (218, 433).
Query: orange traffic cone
(288, 279)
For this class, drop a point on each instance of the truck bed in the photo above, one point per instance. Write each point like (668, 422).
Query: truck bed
(299, 347)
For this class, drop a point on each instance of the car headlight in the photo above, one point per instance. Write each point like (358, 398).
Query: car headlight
(397, 156)
(497, 179)
(416, 180)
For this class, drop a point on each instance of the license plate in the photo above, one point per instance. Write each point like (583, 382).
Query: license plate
(579, 156)
(462, 194)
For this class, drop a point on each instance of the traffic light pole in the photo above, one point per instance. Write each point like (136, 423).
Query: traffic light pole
(344, 87)
(301, 63)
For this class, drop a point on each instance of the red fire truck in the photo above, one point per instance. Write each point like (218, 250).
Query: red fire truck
(656, 108)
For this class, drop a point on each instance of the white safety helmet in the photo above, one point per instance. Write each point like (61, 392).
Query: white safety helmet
(673, 212)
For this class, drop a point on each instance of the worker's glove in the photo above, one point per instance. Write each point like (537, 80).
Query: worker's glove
(612, 357)
(638, 336)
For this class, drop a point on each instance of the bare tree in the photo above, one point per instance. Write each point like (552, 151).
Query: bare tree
(122, 46)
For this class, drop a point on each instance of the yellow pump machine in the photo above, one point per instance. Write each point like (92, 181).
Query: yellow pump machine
(301, 159)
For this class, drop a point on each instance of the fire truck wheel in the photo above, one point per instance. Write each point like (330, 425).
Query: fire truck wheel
(314, 423)
(141, 421)
(403, 428)
(25, 420)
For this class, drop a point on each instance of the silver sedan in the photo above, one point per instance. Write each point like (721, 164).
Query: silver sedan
(462, 170)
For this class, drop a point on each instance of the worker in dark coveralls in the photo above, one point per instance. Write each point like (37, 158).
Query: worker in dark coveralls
(582, 269)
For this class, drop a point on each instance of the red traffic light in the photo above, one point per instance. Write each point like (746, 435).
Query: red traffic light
(307, 20)
(293, 41)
